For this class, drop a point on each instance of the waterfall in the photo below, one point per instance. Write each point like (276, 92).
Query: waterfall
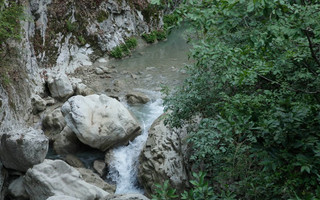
(124, 166)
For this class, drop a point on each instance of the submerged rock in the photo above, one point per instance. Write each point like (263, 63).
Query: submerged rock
(162, 159)
(137, 98)
(55, 177)
(100, 121)
(23, 148)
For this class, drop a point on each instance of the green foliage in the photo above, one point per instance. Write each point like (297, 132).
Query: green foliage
(124, 49)
(255, 84)
(170, 21)
(10, 17)
(117, 52)
(102, 16)
(155, 35)
(71, 26)
(164, 192)
(201, 190)
(161, 35)
(131, 43)
(81, 40)
(149, 37)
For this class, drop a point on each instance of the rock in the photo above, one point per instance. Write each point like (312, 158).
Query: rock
(100, 121)
(99, 71)
(55, 177)
(100, 167)
(162, 158)
(126, 197)
(119, 83)
(82, 89)
(67, 142)
(137, 98)
(74, 161)
(53, 123)
(17, 189)
(50, 101)
(60, 86)
(21, 149)
(62, 197)
(3, 176)
(92, 178)
(38, 104)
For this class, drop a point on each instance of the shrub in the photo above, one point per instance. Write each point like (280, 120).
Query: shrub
(161, 34)
(149, 38)
(117, 52)
(131, 43)
(102, 16)
(71, 26)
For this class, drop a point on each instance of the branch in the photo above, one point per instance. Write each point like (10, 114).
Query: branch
(289, 88)
(311, 48)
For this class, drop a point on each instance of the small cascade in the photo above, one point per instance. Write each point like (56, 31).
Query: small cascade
(123, 168)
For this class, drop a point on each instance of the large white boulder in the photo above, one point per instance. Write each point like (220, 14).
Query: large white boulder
(59, 85)
(53, 123)
(21, 149)
(100, 121)
(162, 158)
(17, 190)
(55, 177)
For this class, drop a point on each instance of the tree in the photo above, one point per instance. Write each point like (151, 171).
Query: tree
(10, 16)
(256, 85)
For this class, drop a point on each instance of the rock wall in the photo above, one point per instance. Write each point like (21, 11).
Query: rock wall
(60, 36)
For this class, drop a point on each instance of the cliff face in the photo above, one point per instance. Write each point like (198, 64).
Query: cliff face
(61, 35)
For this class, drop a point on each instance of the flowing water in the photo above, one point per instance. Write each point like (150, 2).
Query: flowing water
(123, 168)
(158, 64)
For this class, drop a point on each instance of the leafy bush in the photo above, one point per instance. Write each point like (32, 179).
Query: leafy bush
(124, 49)
(149, 38)
(255, 84)
(71, 26)
(116, 52)
(161, 34)
(10, 17)
(131, 43)
(102, 16)
(201, 190)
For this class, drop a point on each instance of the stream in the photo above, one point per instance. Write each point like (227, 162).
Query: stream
(156, 65)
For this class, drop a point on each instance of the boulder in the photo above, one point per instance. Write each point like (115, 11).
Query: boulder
(21, 149)
(67, 142)
(100, 167)
(100, 121)
(55, 177)
(62, 197)
(82, 89)
(162, 158)
(92, 178)
(137, 98)
(17, 190)
(3, 176)
(38, 104)
(126, 197)
(53, 123)
(60, 86)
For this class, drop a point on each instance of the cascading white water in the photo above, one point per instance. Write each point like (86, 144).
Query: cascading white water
(124, 166)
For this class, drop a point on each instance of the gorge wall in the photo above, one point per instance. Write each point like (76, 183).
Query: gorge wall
(60, 36)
